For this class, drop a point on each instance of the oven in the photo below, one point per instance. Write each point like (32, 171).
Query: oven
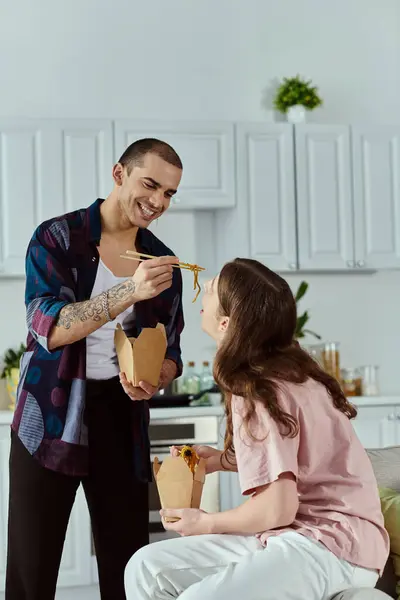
(178, 432)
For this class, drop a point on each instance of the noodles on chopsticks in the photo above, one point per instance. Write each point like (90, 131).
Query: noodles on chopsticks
(195, 269)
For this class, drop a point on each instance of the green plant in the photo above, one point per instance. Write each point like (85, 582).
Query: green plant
(11, 360)
(294, 91)
(303, 319)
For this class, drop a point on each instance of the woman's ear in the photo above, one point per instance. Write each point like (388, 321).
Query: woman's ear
(223, 324)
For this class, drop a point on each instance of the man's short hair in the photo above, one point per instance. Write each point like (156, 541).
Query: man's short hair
(135, 153)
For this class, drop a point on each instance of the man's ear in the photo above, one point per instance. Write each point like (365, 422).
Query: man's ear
(118, 174)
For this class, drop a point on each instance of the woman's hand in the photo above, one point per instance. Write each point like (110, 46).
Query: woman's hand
(192, 521)
(212, 456)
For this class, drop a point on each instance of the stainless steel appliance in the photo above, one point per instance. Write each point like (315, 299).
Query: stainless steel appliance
(179, 431)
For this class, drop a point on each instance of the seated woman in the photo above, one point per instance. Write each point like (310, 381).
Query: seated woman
(312, 525)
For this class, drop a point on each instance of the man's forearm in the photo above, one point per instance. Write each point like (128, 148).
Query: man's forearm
(79, 319)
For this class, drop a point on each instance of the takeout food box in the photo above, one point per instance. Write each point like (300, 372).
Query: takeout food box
(177, 486)
(141, 358)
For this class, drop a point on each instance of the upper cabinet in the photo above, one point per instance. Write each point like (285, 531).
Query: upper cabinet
(324, 197)
(376, 169)
(308, 197)
(332, 188)
(47, 168)
(207, 154)
(266, 194)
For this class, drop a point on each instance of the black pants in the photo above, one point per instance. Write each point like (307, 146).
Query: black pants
(41, 500)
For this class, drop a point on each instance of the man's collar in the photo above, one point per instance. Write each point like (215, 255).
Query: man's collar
(93, 227)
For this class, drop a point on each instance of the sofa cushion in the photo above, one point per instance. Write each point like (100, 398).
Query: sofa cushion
(390, 501)
(362, 594)
(386, 465)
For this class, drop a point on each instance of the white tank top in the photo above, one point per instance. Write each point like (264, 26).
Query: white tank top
(101, 357)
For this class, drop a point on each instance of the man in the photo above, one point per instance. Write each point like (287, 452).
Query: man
(74, 422)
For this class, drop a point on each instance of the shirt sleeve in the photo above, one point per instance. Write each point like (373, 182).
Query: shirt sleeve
(175, 326)
(262, 452)
(49, 282)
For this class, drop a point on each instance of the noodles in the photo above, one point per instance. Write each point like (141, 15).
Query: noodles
(190, 457)
(195, 269)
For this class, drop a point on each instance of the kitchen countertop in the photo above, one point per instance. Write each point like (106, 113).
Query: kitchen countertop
(155, 413)
(218, 411)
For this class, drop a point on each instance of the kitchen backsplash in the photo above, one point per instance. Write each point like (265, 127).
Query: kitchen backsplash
(359, 311)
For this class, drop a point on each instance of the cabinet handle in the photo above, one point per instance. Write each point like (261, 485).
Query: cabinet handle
(360, 264)
(351, 264)
(292, 266)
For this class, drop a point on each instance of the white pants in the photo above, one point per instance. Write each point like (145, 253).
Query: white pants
(216, 567)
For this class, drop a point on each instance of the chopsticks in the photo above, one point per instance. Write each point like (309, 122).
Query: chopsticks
(139, 256)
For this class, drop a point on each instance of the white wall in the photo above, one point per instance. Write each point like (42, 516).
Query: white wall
(214, 59)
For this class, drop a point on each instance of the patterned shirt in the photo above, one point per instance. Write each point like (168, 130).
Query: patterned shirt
(61, 266)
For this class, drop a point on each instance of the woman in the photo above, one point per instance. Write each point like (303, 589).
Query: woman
(312, 525)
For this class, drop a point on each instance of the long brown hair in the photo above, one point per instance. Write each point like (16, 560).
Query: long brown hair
(259, 349)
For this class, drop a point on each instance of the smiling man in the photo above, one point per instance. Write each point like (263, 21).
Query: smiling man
(77, 419)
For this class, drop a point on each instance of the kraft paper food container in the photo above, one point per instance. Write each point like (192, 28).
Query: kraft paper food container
(177, 486)
(141, 358)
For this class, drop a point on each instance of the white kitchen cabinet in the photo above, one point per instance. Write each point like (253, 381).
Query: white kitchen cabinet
(207, 153)
(75, 568)
(266, 193)
(47, 168)
(378, 426)
(324, 197)
(376, 172)
(4, 454)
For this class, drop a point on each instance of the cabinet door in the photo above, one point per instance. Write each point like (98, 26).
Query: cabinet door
(47, 168)
(23, 154)
(324, 197)
(4, 455)
(207, 154)
(82, 161)
(377, 426)
(76, 562)
(266, 198)
(376, 165)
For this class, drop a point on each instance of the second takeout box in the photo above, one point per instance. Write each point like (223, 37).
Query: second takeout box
(177, 486)
(141, 358)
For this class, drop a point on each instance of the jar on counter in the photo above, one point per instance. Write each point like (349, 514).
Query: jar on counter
(370, 380)
(315, 351)
(351, 382)
(331, 359)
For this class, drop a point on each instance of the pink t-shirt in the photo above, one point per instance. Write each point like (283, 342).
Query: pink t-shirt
(338, 493)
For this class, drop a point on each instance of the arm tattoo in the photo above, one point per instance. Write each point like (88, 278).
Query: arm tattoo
(92, 310)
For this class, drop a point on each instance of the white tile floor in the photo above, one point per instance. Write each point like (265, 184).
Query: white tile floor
(81, 593)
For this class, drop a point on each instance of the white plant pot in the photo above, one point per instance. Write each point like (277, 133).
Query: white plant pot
(296, 114)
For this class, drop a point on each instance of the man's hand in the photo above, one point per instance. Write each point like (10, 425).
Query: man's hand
(153, 276)
(145, 391)
(168, 373)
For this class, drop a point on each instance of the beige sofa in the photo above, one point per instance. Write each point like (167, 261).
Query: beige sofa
(386, 463)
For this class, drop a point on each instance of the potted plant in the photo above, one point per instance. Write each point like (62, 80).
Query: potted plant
(303, 319)
(294, 96)
(11, 371)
